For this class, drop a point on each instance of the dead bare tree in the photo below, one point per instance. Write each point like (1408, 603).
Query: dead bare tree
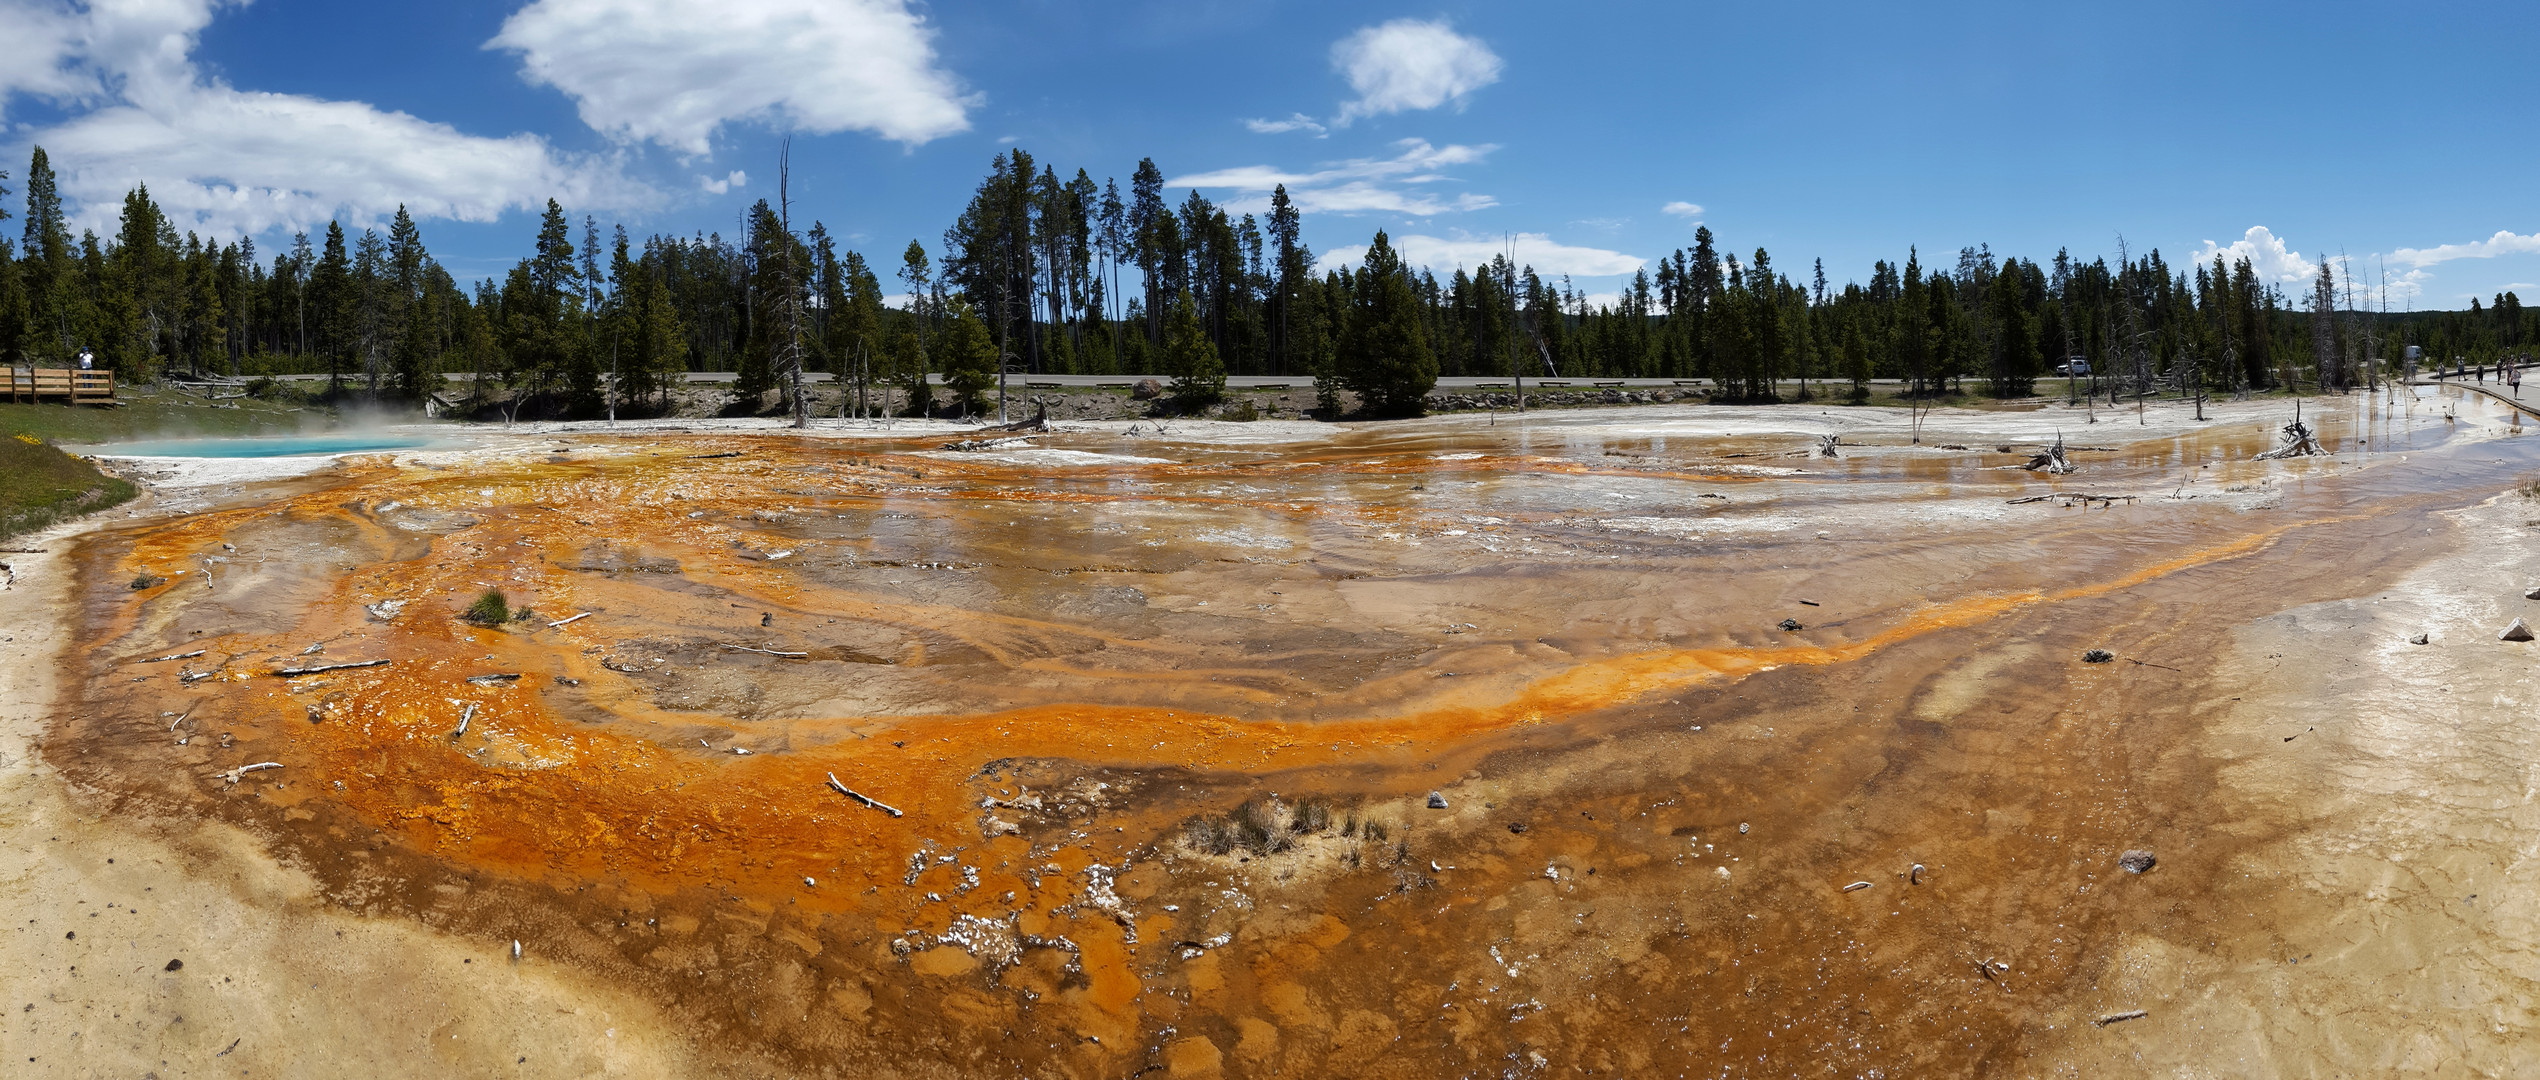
(2323, 325)
(2295, 440)
(2133, 334)
(789, 356)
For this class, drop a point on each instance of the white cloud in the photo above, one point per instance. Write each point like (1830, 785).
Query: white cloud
(2267, 255)
(712, 186)
(1358, 185)
(1682, 209)
(1410, 64)
(1444, 254)
(2503, 243)
(42, 55)
(1295, 122)
(672, 71)
(234, 161)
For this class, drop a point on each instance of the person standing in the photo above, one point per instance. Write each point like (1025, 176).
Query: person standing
(87, 360)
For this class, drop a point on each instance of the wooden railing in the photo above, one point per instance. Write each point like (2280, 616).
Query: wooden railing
(80, 387)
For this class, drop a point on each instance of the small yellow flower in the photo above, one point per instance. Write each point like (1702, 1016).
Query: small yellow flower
(30, 440)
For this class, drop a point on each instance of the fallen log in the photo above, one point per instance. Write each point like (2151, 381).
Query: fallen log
(858, 796)
(500, 676)
(2116, 1018)
(173, 656)
(764, 652)
(293, 673)
(568, 622)
(710, 457)
(975, 445)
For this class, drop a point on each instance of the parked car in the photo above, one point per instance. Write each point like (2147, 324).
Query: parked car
(2074, 367)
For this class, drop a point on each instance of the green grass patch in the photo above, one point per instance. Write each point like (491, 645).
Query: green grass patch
(40, 485)
(161, 413)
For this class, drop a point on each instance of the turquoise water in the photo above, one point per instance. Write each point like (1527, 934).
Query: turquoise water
(292, 446)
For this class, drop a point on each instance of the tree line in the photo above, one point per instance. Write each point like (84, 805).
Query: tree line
(1041, 273)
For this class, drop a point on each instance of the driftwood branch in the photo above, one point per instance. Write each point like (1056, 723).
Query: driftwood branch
(2118, 1018)
(464, 717)
(568, 622)
(173, 656)
(858, 796)
(709, 457)
(764, 652)
(233, 774)
(293, 673)
(501, 676)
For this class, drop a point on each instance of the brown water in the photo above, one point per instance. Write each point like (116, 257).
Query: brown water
(1163, 732)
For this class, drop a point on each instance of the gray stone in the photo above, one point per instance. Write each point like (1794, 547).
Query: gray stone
(2097, 656)
(2519, 631)
(2136, 861)
(2420, 639)
(1790, 625)
(1146, 390)
(1437, 801)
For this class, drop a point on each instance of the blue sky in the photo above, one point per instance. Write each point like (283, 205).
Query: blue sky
(2388, 135)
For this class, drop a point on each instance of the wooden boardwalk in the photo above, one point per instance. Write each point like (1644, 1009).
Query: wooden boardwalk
(76, 387)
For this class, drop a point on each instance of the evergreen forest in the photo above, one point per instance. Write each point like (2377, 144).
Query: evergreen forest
(1044, 273)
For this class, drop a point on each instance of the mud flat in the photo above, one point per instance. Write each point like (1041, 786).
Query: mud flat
(1631, 741)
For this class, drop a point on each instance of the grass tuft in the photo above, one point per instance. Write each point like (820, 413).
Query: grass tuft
(489, 610)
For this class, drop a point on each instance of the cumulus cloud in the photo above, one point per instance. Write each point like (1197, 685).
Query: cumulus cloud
(712, 186)
(1443, 254)
(237, 161)
(2503, 243)
(2268, 256)
(1295, 122)
(1411, 64)
(1358, 185)
(41, 58)
(673, 71)
(1682, 209)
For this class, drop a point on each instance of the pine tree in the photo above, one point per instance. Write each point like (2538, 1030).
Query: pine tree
(50, 272)
(2014, 358)
(331, 305)
(1383, 355)
(969, 356)
(1199, 376)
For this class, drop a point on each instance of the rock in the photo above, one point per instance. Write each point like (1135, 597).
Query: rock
(173, 965)
(2517, 632)
(1790, 625)
(1437, 801)
(1147, 390)
(1516, 826)
(147, 581)
(2419, 639)
(2532, 593)
(2097, 656)
(2136, 861)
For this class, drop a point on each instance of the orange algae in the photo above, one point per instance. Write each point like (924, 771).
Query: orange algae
(589, 767)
